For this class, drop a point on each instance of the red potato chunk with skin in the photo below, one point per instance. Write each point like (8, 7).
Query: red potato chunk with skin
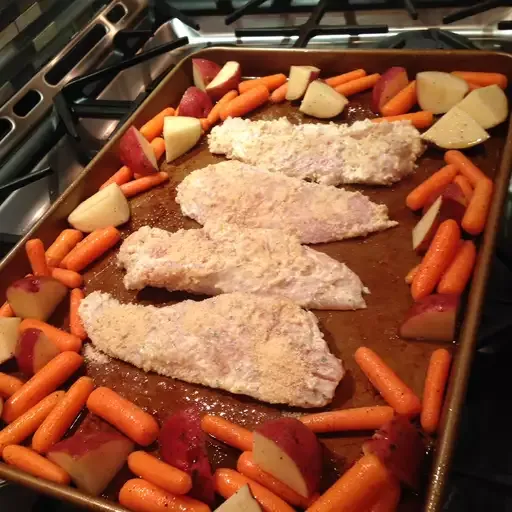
(226, 80)
(195, 103)
(136, 153)
(204, 71)
(8, 337)
(183, 445)
(389, 85)
(299, 79)
(34, 350)
(433, 318)
(241, 501)
(290, 452)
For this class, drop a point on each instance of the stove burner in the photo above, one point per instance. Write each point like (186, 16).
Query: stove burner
(431, 39)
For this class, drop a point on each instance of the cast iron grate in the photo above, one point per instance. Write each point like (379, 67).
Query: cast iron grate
(430, 39)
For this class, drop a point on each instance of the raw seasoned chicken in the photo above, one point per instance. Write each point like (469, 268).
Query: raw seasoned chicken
(265, 347)
(244, 195)
(223, 258)
(331, 154)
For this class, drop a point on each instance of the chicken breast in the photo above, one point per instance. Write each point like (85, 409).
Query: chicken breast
(244, 195)
(265, 347)
(331, 154)
(223, 258)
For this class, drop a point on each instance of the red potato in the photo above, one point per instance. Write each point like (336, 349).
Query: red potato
(204, 71)
(183, 445)
(92, 459)
(299, 79)
(452, 191)
(290, 452)
(195, 103)
(322, 101)
(241, 501)
(35, 296)
(226, 80)
(389, 85)
(34, 350)
(137, 153)
(432, 318)
(8, 337)
(401, 448)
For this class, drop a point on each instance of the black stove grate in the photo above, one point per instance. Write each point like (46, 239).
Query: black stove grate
(430, 39)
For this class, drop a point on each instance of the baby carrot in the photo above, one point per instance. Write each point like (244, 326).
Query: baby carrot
(420, 120)
(28, 423)
(205, 125)
(228, 481)
(439, 256)
(402, 102)
(248, 468)
(476, 213)
(359, 418)
(410, 275)
(435, 385)
(62, 416)
(131, 420)
(158, 145)
(159, 473)
(457, 275)
(6, 311)
(271, 82)
(92, 247)
(246, 102)
(44, 382)
(75, 322)
(9, 385)
(279, 95)
(434, 184)
(357, 489)
(214, 115)
(143, 184)
(37, 257)
(139, 495)
(396, 393)
(389, 498)
(473, 86)
(482, 78)
(334, 81)
(465, 186)
(64, 340)
(465, 166)
(154, 127)
(66, 241)
(227, 432)
(358, 85)
(68, 278)
(122, 176)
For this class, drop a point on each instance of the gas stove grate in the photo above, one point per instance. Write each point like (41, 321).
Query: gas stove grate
(478, 8)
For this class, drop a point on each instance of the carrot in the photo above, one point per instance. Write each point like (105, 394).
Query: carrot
(476, 213)
(482, 78)
(159, 473)
(473, 86)
(271, 82)
(357, 489)
(92, 247)
(358, 85)
(465, 166)
(122, 176)
(410, 275)
(227, 432)
(75, 322)
(422, 119)
(44, 382)
(154, 127)
(62, 416)
(66, 241)
(389, 497)
(139, 495)
(9, 385)
(28, 423)
(435, 385)
(457, 275)
(402, 102)
(138, 425)
(465, 186)
(396, 393)
(279, 95)
(334, 81)
(143, 184)
(434, 184)
(360, 418)
(177, 111)
(68, 278)
(37, 257)
(228, 481)
(214, 115)
(246, 102)
(6, 311)
(158, 145)
(439, 256)
(248, 468)
(205, 125)
(64, 340)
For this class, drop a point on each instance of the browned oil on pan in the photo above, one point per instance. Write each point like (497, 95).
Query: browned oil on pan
(381, 260)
